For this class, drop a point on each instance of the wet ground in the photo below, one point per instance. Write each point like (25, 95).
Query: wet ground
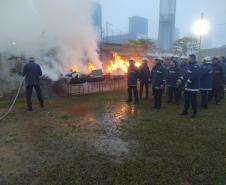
(100, 139)
(103, 125)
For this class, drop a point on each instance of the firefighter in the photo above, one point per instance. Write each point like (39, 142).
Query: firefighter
(183, 70)
(223, 63)
(218, 80)
(144, 78)
(206, 80)
(158, 81)
(133, 75)
(32, 72)
(173, 75)
(191, 81)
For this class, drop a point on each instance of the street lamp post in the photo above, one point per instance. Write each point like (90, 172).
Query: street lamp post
(200, 38)
(200, 28)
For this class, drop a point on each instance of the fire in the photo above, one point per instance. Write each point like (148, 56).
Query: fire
(120, 64)
(91, 68)
(74, 69)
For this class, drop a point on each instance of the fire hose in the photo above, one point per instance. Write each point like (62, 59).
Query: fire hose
(13, 103)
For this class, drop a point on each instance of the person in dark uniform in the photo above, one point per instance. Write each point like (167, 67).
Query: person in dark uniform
(144, 78)
(158, 81)
(173, 75)
(223, 63)
(192, 84)
(218, 80)
(133, 75)
(32, 72)
(183, 70)
(206, 81)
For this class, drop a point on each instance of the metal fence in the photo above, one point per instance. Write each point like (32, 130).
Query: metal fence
(97, 87)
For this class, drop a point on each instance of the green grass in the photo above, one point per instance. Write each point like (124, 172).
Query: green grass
(60, 144)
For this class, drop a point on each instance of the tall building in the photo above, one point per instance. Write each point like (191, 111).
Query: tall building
(97, 19)
(167, 24)
(138, 28)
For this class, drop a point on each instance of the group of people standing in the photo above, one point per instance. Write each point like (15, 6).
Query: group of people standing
(176, 76)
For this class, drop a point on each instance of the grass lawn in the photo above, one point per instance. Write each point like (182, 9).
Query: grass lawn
(101, 140)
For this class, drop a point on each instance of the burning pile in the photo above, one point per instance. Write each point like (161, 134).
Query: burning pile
(119, 65)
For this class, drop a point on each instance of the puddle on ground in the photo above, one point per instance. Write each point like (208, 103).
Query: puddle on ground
(112, 145)
(102, 127)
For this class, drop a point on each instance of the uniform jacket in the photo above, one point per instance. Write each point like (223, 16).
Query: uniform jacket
(32, 73)
(183, 68)
(133, 75)
(191, 78)
(158, 76)
(218, 75)
(144, 74)
(224, 67)
(173, 74)
(206, 77)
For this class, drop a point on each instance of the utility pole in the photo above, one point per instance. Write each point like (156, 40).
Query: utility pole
(200, 38)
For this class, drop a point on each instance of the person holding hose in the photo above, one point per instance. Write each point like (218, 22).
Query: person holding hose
(32, 72)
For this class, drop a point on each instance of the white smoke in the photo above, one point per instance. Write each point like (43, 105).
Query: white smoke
(58, 33)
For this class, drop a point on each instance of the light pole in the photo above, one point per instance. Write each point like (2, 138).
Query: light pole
(200, 36)
(200, 28)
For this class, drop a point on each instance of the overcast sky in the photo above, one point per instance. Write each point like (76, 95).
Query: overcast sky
(118, 11)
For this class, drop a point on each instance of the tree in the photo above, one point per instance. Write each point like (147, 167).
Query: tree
(186, 45)
(18, 63)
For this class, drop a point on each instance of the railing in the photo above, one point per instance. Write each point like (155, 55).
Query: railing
(97, 87)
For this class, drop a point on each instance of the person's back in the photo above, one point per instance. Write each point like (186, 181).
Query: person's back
(32, 73)
(144, 73)
(206, 76)
(133, 74)
(218, 75)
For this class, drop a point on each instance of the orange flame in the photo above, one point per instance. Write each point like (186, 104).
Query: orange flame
(120, 64)
(74, 69)
(91, 68)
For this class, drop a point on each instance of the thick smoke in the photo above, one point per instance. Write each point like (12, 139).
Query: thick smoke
(58, 33)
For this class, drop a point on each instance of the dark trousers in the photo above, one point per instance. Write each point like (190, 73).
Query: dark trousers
(29, 90)
(217, 93)
(210, 96)
(173, 93)
(142, 85)
(204, 98)
(190, 98)
(222, 92)
(132, 90)
(157, 93)
(180, 90)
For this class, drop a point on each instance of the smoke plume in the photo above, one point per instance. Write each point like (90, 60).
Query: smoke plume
(58, 33)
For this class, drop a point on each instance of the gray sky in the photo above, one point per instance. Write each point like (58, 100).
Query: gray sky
(118, 11)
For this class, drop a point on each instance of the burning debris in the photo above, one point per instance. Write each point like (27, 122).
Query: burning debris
(118, 65)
